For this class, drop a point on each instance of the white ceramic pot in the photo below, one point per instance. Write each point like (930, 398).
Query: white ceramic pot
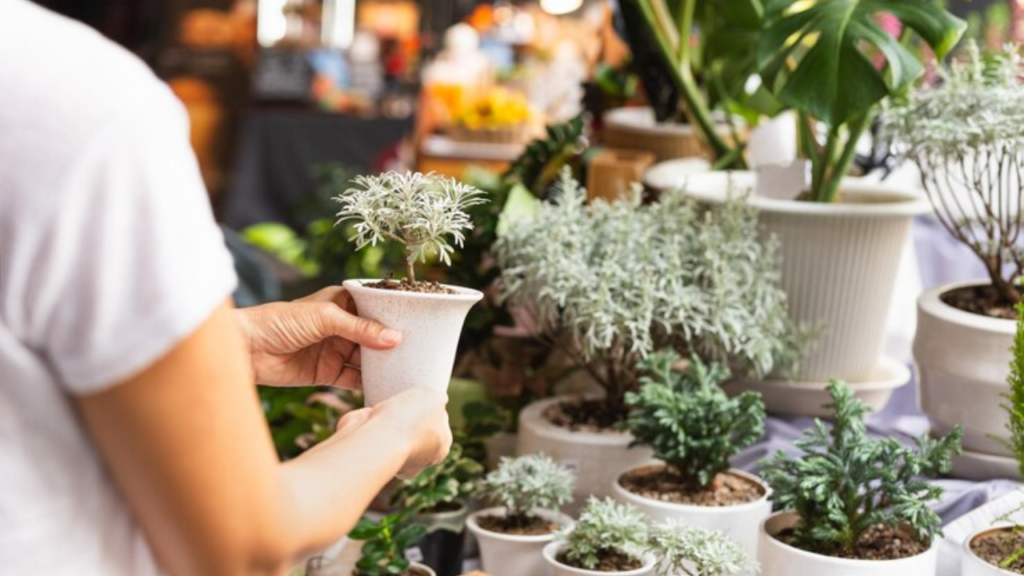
(780, 559)
(430, 325)
(596, 458)
(635, 128)
(739, 522)
(839, 264)
(552, 550)
(963, 360)
(508, 555)
(972, 565)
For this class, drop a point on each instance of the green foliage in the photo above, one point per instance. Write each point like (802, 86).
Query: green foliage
(385, 543)
(684, 550)
(418, 211)
(688, 420)
(544, 158)
(1014, 404)
(481, 421)
(846, 482)
(612, 282)
(296, 422)
(606, 526)
(452, 481)
(964, 136)
(528, 482)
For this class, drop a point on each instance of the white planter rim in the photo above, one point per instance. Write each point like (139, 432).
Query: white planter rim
(423, 567)
(462, 295)
(846, 562)
(551, 555)
(653, 502)
(641, 119)
(879, 199)
(563, 520)
(891, 374)
(534, 412)
(970, 554)
(931, 303)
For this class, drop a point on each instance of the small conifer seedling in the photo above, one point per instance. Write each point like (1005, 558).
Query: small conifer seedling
(847, 486)
(1014, 404)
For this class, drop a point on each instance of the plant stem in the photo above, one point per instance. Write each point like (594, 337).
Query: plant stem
(410, 271)
(829, 188)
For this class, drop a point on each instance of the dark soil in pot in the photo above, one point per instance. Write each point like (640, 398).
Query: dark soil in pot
(877, 543)
(607, 561)
(995, 546)
(579, 415)
(657, 482)
(524, 526)
(421, 286)
(982, 300)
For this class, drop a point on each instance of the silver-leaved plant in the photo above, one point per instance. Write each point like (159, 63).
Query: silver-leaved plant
(606, 526)
(419, 211)
(684, 550)
(527, 483)
(611, 283)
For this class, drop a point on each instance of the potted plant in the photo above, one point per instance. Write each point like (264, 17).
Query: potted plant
(606, 284)
(529, 491)
(438, 498)
(841, 238)
(385, 546)
(420, 212)
(852, 505)
(693, 428)
(960, 134)
(684, 550)
(609, 538)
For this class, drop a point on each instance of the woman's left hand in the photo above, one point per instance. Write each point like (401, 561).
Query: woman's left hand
(311, 341)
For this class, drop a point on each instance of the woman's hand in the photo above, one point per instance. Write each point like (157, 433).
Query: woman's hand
(311, 341)
(418, 415)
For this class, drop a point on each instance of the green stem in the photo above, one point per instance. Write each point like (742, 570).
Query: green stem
(830, 187)
(410, 270)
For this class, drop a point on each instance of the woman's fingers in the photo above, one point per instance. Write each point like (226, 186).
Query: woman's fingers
(363, 331)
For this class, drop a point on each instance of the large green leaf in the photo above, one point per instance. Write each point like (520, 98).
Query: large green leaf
(816, 55)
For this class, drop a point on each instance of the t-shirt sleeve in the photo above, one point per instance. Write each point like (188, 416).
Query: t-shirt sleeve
(130, 261)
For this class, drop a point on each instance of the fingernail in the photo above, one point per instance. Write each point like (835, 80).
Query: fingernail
(389, 336)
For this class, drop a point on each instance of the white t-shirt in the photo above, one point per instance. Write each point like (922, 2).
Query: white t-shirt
(109, 257)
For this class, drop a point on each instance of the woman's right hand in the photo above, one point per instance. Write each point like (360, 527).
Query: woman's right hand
(419, 416)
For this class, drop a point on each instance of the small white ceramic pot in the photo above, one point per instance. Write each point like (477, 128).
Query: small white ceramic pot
(739, 522)
(963, 360)
(780, 559)
(508, 555)
(430, 325)
(427, 569)
(972, 565)
(839, 264)
(552, 550)
(596, 458)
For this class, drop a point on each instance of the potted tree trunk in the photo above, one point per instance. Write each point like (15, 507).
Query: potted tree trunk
(961, 135)
(841, 239)
(608, 538)
(852, 505)
(608, 283)
(420, 212)
(438, 499)
(529, 490)
(694, 427)
(385, 547)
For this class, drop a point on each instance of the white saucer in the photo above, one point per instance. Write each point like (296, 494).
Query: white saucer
(807, 398)
(979, 466)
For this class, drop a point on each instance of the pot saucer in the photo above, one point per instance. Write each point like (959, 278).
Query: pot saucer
(981, 466)
(807, 398)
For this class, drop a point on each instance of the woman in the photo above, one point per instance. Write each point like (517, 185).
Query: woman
(131, 437)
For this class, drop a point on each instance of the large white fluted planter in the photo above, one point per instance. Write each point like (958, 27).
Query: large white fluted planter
(972, 565)
(740, 522)
(597, 458)
(552, 550)
(839, 264)
(963, 360)
(780, 559)
(508, 555)
(430, 325)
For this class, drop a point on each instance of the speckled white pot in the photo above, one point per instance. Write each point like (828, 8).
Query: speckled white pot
(552, 550)
(963, 360)
(506, 555)
(779, 559)
(597, 458)
(430, 325)
(972, 565)
(741, 523)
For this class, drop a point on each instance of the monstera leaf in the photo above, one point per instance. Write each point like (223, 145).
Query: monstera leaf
(816, 55)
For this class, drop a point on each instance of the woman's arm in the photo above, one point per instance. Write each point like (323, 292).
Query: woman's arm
(187, 443)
